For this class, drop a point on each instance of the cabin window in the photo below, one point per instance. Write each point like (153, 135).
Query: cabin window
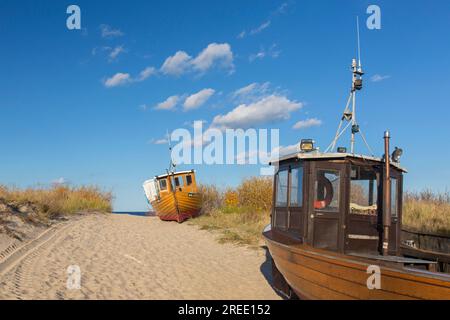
(363, 191)
(296, 187)
(282, 188)
(188, 180)
(394, 202)
(178, 182)
(163, 184)
(327, 188)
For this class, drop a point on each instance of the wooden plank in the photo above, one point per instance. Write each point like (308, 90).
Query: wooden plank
(348, 288)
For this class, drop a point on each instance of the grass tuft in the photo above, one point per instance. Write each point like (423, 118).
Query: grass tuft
(239, 214)
(427, 211)
(48, 203)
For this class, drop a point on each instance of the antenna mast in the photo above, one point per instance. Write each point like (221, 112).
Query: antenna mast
(171, 164)
(349, 115)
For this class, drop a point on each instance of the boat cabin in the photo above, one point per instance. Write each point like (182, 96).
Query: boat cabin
(334, 201)
(158, 187)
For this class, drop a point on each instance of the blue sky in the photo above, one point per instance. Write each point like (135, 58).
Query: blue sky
(67, 115)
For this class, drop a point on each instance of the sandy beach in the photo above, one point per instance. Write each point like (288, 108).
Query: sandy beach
(133, 257)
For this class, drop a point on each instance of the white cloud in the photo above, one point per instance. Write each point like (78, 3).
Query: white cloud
(108, 32)
(59, 181)
(285, 150)
(242, 34)
(266, 24)
(121, 78)
(214, 54)
(197, 99)
(160, 141)
(177, 64)
(96, 50)
(251, 92)
(116, 52)
(259, 55)
(168, 104)
(281, 9)
(254, 31)
(111, 53)
(308, 123)
(260, 28)
(144, 74)
(272, 108)
(274, 154)
(378, 78)
(271, 52)
(245, 90)
(118, 79)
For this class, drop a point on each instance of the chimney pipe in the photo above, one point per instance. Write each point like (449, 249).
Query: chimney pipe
(386, 195)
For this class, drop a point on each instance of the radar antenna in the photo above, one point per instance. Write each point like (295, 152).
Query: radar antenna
(349, 114)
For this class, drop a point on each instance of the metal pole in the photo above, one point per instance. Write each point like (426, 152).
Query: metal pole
(387, 195)
(336, 137)
(352, 149)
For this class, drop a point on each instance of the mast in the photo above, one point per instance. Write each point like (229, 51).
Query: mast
(349, 114)
(171, 174)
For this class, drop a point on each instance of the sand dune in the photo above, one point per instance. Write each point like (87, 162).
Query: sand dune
(131, 257)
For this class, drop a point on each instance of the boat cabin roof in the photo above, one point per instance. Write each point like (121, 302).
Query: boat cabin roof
(315, 155)
(175, 174)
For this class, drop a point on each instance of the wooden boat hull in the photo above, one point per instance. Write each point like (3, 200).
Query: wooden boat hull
(318, 274)
(189, 205)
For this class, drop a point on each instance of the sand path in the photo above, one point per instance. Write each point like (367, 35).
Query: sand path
(132, 257)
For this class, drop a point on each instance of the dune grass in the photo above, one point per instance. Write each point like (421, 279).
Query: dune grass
(48, 203)
(239, 214)
(427, 211)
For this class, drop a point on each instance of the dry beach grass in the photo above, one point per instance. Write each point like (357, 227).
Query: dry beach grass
(23, 212)
(48, 203)
(238, 214)
(427, 211)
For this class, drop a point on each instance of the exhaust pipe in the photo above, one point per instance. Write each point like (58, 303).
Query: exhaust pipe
(387, 195)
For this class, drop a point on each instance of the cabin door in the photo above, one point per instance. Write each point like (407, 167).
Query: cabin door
(326, 205)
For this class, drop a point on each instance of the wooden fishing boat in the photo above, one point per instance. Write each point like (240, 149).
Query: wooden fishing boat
(174, 196)
(327, 234)
(336, 223)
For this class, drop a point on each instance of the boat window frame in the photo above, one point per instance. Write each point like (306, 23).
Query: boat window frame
(398, 176)
(160, 185)
(291, 210)
(375, 187)
(287, 169)
(189, 180)
(338, 196)
(179, 181)
(300, 200)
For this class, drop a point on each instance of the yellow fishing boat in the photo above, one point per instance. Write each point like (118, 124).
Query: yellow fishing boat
(174, 196)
